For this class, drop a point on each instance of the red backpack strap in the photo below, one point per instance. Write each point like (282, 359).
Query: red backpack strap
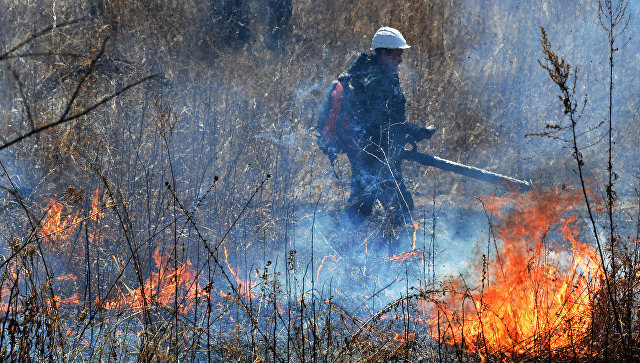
(329, 129)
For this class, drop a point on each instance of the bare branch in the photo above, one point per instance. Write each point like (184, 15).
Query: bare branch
(43, 54)
(84, 78)
(77, 115)
(24, 98)
(39, 34)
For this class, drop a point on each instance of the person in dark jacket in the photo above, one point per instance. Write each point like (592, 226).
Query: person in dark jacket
(379, 131)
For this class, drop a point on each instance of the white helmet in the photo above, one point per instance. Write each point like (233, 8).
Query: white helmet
(389, 38)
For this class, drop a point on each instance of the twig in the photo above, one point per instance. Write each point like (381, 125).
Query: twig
(77, 115)
(39, 34)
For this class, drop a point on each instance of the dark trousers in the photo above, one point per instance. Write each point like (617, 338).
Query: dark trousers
(376, 177)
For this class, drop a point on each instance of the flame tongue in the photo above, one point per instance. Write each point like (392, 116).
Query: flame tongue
(57, 226)
(60, 223)
(163, 288)
(534, 293)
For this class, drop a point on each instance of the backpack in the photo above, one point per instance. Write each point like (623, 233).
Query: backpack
(335, 118)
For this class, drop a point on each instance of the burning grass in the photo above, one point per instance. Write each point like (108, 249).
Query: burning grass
(165, 287)
(536, 296)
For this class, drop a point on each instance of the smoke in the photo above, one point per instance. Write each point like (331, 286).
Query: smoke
(368, 264)
(503, 73)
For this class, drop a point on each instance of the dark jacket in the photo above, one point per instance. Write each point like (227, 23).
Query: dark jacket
(379, 107)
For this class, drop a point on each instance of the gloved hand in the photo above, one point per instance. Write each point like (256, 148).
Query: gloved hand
(425, 133)
(332, 158)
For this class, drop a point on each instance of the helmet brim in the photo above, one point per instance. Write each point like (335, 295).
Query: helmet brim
(402, 47)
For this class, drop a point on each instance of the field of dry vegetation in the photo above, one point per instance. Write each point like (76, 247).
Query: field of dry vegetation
(162, 197)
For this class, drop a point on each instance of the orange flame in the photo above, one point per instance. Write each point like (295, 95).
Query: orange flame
(404, 256)
(72, 300)
(539, 296)
(400, 338)
(14, 277)
(413, 253)
(244, 286)
(96, 212)
(69, 277)
(163, 288)
(335, 259)
(58, 226)
(416, 225)
(65, 284)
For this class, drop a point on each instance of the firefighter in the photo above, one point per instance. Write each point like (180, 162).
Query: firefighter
(379, 132)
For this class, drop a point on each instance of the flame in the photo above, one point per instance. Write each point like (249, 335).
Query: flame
(335, 259)
(96, 211)
(163, 288)
(58, 226)
(69, 277)
(14, 277)
(540, 294)
(72, 300)
(244, 286)
(416, 225)
(413, 253)
(404, 256)
(304, 295)
(400, 338)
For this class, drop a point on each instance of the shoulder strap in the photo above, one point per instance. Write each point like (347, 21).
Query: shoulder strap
(329, 128)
